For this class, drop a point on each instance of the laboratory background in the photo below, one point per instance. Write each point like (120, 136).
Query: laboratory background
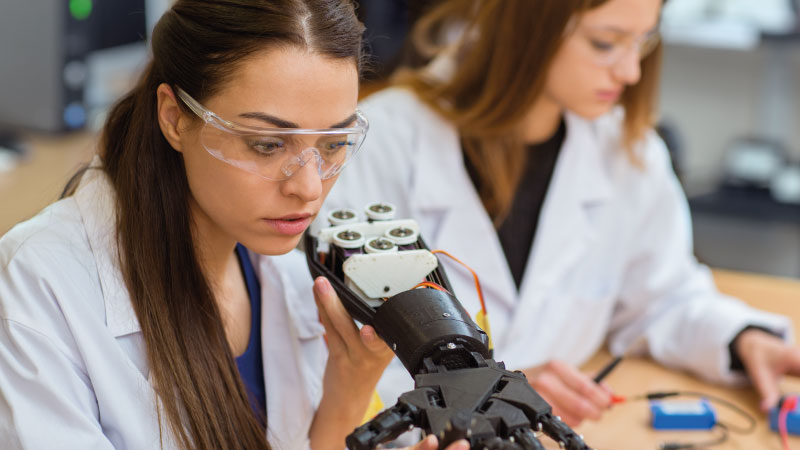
(729, 107)
(729, 113)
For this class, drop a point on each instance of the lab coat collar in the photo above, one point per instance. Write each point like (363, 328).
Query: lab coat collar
(96, 202)
(579, 185)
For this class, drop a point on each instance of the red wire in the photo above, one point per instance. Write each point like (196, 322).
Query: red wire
(788, 405)
(474, 275)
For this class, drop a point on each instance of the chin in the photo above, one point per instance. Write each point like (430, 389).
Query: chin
(274, 245)
(594, 111)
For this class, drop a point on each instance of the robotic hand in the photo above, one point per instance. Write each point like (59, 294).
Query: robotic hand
(461, 392)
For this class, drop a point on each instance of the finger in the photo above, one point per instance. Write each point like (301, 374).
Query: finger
(793, 362)
(337, 315)
(582, 385)
(334, 340)
(765, 382)
(373, 342)
(566, 417)
(429, 443)
(572, 406)
(460, 444)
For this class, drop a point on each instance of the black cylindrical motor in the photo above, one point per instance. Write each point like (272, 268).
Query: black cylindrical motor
(422, 323)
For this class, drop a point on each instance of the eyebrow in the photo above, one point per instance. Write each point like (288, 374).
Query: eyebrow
(620, 31)
(280, 123)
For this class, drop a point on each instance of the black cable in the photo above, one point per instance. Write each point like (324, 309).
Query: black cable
(691, 445)
(733, 407)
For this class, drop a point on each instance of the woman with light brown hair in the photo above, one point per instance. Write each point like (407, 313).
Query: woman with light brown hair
(159, 304)
(526, 148)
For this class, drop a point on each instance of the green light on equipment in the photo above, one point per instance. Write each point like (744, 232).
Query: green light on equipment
(80, 9)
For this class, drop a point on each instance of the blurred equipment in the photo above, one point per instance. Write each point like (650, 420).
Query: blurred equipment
(49, 54)
(694, 415)
(726, 23)
(785, 418)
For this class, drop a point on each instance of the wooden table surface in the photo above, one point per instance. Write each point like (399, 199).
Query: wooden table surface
(626, 426)
(41, 176)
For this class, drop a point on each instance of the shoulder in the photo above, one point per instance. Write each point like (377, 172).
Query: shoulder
(57, 231)
(47, 269)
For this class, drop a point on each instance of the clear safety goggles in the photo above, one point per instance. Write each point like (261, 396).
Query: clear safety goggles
(609, 52)
(277, 153)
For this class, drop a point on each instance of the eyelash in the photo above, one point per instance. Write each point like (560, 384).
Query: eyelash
(601, 45)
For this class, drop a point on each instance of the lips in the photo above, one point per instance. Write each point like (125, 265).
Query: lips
(609, 95)
(292, 224)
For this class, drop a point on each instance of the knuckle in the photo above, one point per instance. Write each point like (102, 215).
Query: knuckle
(554, 365)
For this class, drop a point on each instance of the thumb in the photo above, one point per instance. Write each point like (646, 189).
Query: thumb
(323, 291)
(429, 443)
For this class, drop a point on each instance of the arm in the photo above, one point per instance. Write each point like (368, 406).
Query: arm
(669, 305)
(355, 363)
(46, 397)
(41, 388)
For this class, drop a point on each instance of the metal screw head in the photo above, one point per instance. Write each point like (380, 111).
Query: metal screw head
(349, 235)
(381, 244)
(445, 314)
(386, 289)
(380, 208)
(451, 346)
(401, 232)
(343, 214)
(394, 347)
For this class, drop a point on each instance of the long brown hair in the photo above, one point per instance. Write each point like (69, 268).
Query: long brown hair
(196, 45)
(501, 74)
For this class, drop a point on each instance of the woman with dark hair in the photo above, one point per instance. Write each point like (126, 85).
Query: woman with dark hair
(526, 149)
(144, 309)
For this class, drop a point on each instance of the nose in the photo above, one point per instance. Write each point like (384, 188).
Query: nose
(628, 70)
(304, 180)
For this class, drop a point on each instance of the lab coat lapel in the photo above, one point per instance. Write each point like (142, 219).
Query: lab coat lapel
(96, 202)
(290, 407)
(579, 186)
(448, 204)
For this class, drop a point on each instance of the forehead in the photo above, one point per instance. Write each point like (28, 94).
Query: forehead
(293, 84)
(626, 16)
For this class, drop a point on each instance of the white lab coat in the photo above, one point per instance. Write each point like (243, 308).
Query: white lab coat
(73, 370)
(611, 260)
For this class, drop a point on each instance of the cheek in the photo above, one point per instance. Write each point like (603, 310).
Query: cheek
(573, 82)
(223, 192)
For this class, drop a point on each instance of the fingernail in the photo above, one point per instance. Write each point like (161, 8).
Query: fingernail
(462, 445)
(323, 285)
(429, 442)
(368, 333)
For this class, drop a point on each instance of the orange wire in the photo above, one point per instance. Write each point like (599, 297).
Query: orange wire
(431, 285)
(474, 275)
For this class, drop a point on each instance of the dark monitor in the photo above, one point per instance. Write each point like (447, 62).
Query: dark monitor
(44, 48)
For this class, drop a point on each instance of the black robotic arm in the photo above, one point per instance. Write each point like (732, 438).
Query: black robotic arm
(460, 391)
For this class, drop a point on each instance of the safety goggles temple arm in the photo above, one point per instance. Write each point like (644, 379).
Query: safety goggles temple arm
(193, 104)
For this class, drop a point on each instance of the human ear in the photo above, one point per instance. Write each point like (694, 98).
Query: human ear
(169, 116)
